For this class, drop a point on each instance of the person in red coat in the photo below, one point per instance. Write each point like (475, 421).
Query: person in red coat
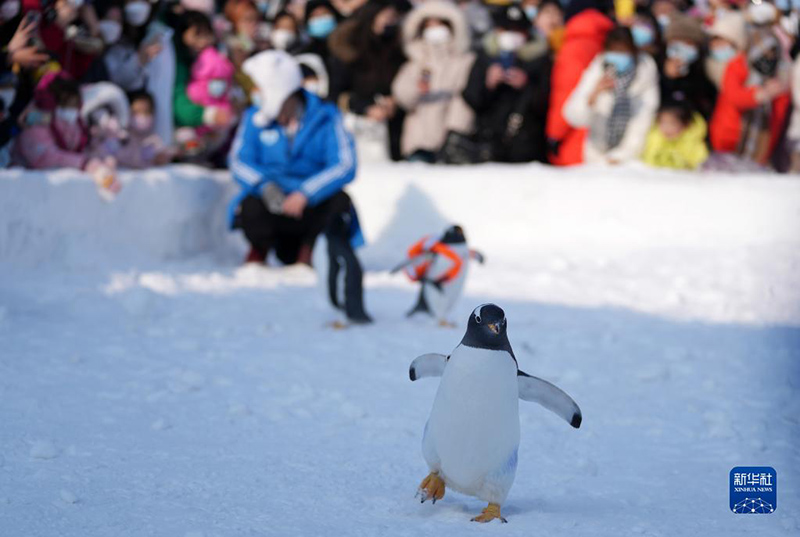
(585, 33)
(753, 102)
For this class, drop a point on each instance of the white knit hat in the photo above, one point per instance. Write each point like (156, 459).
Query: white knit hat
(276, 75)
(731, 27)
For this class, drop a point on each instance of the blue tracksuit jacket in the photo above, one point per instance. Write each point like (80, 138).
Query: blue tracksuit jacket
(318, 163)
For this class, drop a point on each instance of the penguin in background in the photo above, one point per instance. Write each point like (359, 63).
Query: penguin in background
(339, 271)
(472, 436)
(440, 264)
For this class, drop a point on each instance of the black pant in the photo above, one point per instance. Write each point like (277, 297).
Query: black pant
(265, 230)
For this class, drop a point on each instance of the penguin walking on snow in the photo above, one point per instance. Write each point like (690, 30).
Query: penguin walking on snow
(472, 435)
(440, 264)
(338, 269)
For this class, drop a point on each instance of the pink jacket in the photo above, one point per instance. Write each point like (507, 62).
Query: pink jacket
(210, 66)
(37, 148)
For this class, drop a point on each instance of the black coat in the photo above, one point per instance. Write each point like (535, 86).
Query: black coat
(694, 90)
(498, 112)
(362, 67)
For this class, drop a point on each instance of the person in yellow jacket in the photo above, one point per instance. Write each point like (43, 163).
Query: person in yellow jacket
(677, 139)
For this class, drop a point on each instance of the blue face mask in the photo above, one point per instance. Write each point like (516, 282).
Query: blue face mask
(723, 54)
(782, 5)
(622, 62)
(321, 27)
(531, 12)
(216, 88)
(683, 51)
(642, 35)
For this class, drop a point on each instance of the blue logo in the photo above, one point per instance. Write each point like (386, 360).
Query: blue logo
(754, 490)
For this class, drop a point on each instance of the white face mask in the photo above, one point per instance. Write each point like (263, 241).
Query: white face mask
(436, 35)
(136, 13)
(312, 87)
(67, 115)
(510, 41)
(282, 39)
(9, 10)
(110, 31)
(7, 95)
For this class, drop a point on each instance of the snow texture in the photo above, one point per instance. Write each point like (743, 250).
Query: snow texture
(151, 386)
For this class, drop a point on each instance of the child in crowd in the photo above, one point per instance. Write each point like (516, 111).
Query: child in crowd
(210, 87)
(143, 148)
(55, 135)
(677, 140)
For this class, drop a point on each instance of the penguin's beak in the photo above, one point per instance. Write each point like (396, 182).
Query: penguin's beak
(494, 327)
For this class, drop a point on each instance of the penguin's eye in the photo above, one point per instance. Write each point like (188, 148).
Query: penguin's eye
(478, 319)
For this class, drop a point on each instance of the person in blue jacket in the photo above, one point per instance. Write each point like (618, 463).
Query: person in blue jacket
(292, 157)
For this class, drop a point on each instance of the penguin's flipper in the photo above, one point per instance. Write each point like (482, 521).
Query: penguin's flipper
(549, 396)
(421, 305)
(427, 365)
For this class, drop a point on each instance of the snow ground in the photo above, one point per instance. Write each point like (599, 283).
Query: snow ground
(151, 386)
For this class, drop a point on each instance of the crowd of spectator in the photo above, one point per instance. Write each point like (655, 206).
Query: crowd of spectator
(106, 84)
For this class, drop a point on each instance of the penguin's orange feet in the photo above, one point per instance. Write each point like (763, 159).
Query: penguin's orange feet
(491, 512)
(431, 488)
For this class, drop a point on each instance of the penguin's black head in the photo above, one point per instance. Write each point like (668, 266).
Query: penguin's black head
(453, 235)
(486, 329)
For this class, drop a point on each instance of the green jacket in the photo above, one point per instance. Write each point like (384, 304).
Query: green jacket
(185, 112)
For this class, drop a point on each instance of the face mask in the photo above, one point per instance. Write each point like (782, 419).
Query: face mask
(110, 31)
(436, 35)
(763, 13)
(36, 117)
(142, 122)
(136, 13)
(622, 62)
(723, 54)
(216, 88)
(783, 5)
(9, 9)
(282, 39)
(510, 41)
(642, 35)
(312, 87)
(67, 115)
(7, 96)
(531, 12)
(663, 21)
(681, 51)
(321, 27)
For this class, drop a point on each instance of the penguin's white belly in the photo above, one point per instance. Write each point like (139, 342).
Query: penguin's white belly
(472, 434)
(442, 301)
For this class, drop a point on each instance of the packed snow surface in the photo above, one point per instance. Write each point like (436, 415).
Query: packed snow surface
(152, 386)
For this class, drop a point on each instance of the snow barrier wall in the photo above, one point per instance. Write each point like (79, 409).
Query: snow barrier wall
(161, 214)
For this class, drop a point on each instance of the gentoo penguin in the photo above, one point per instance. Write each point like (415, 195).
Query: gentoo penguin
(440, 264)
(472, 435)
(338, 270)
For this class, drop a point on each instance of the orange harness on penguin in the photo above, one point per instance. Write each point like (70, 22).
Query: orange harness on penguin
(440, 264)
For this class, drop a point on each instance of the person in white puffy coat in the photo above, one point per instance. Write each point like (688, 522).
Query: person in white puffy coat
(429, 85)
(616, 100)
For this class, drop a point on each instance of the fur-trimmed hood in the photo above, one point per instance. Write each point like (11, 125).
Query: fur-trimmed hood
(414, 45)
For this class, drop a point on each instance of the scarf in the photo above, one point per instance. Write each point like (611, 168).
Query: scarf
(621, 112)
